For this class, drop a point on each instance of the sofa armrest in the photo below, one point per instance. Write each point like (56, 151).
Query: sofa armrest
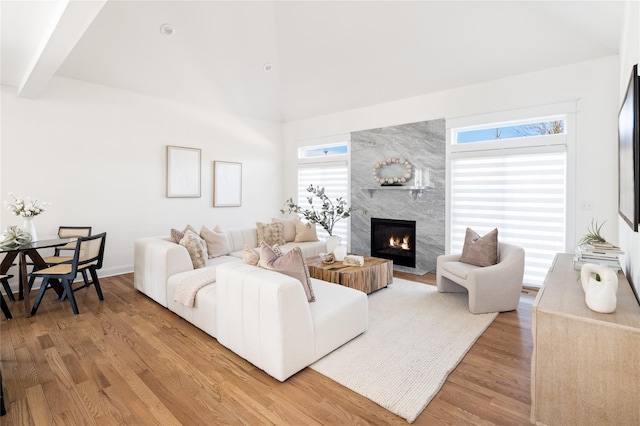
(155, 260)
(497, 287)
(264, 317)
(440, 283)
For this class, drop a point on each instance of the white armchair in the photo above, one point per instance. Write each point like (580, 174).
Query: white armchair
(494, 288)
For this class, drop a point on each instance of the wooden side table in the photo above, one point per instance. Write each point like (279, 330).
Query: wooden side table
(375, 274)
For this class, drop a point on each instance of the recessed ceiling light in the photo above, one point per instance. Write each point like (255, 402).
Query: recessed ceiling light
(167, 30)
(268, 66)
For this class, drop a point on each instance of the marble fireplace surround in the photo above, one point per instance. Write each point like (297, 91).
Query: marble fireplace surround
(423, 144)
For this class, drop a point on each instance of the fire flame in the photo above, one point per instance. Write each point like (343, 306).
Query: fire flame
(397, 242)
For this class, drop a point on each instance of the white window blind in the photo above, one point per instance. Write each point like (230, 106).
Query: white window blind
(523, 195)
(334, 177)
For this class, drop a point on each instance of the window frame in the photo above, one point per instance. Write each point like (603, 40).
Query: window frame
(514, 146)
(337, 160)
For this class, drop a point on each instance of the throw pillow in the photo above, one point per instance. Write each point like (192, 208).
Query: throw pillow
(480, 251)
(305, 232)
(250, 256)
(292, 264)
(270, 233)
(176, 235)
(217, 241)
(289, 225)
(196, 247)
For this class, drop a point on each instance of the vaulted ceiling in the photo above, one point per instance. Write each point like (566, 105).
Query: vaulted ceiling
(325, 56)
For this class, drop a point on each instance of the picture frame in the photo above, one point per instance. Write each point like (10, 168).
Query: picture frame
(629, 153)
(183, 172)
(227, 184)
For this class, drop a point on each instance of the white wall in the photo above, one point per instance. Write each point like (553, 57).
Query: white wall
(630, 55)
(99, 155)
(593, 85)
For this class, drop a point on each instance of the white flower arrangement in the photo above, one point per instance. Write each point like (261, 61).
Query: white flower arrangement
(26, 207)
(14, 236)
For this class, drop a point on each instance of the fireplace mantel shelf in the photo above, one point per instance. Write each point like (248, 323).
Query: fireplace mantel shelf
(414, 191)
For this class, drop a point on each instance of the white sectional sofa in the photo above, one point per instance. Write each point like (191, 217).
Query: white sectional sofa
(261, 315)
(264, 317)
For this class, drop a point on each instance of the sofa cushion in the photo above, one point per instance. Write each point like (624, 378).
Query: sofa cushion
(196, 247)
(480, 251)
(305, 232)
(289, 225)
(176, 235)
(340, 314)
(217, 241)
(250, 256)
(240, 237)
(270, 233)
(292, 264)
(459, 269)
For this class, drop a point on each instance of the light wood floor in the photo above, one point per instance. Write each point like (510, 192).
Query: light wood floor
(127, 360)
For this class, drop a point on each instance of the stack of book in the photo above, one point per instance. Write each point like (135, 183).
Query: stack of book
(604, 254)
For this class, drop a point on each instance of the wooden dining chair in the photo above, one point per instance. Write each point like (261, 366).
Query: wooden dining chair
(69, 232)
(64, 253)
(5, 308)
(7, 288)
(87, 256)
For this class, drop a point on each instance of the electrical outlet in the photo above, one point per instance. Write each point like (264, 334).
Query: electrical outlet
(586, 205)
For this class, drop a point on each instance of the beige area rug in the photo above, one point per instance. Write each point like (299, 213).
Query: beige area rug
(416, 337)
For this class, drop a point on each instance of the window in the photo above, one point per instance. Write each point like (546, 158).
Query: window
(518, 183)
(325, 165)
(323, 151)
(552, 126)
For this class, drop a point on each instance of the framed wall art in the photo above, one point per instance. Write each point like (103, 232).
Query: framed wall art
(183, 172)
(227, 184)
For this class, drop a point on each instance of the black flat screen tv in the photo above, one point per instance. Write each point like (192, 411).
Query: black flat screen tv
(629, 153)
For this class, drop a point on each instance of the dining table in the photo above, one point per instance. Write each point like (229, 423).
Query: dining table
(30, 250)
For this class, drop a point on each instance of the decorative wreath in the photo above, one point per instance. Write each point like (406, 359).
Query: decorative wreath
(395, 179)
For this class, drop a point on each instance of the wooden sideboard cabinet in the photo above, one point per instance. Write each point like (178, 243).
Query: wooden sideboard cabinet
(585, 366)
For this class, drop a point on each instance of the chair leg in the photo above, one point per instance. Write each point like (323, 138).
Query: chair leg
(5, 309)
(43, 288)
(32, 281)
(3, 409)
(85, 278)
(72, 299)
(7, 289)
(96, 283)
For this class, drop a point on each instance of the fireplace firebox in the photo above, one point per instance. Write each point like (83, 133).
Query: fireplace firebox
(395, 240)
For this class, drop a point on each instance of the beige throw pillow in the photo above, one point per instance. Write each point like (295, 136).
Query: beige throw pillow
(289, 225)
(292, 264)
(196, 247)
(250, 256)
(305, 232)
(217, 241)
(480, 251)
(270, 233)
(176, 235)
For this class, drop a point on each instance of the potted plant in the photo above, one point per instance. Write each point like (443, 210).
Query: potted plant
(593, 235)
(327, 215)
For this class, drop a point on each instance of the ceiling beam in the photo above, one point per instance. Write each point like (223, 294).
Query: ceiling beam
(66, 28)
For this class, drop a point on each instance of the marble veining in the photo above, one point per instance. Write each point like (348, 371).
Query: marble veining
(423, 144)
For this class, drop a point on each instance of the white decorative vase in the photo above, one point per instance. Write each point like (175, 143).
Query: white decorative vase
(340, 252)
(600, 296)
(28, 226)
(332, 242)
